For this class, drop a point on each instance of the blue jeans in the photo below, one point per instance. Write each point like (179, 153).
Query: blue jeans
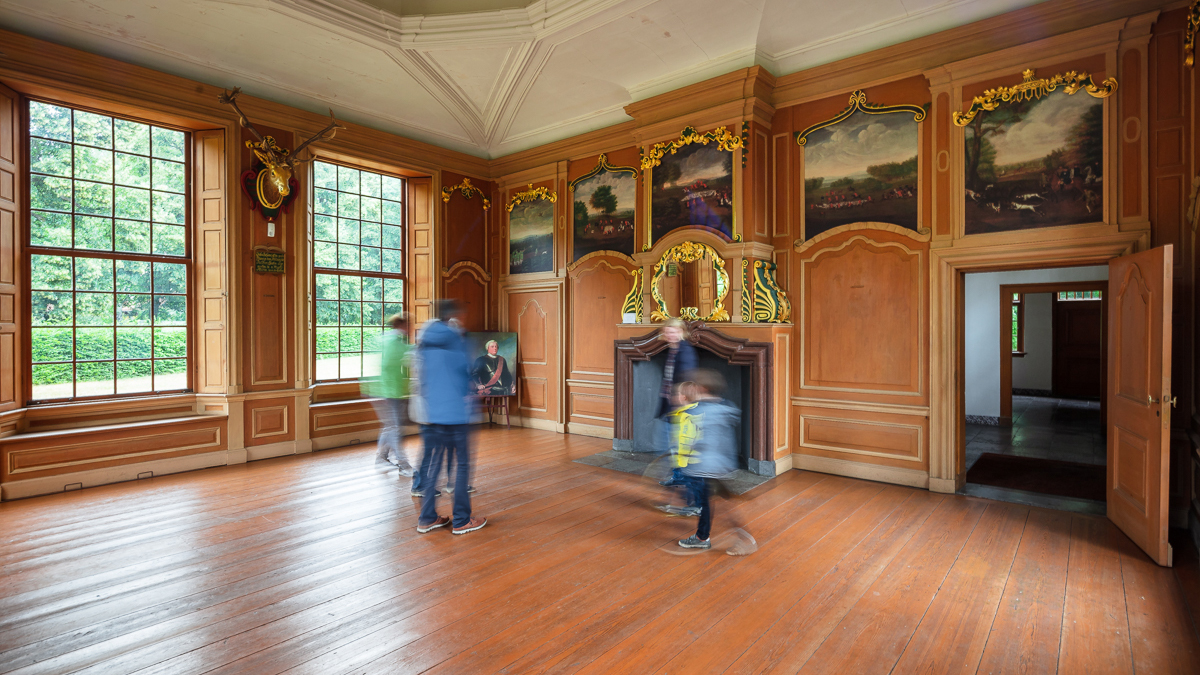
(442, 442)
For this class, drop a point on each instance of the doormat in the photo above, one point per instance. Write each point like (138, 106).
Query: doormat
(645, 464)
(1047, 476)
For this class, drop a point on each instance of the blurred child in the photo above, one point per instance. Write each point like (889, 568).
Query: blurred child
(682, 435)
(713, 457)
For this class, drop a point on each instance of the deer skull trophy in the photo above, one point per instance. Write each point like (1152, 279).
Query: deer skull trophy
(273, 183)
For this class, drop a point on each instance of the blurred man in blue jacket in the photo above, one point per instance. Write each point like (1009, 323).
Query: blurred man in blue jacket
(445, 379)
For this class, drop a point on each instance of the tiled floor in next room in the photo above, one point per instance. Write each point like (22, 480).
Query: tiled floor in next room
(1048, 428)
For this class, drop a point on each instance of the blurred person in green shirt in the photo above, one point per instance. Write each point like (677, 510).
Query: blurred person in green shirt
(389, 393)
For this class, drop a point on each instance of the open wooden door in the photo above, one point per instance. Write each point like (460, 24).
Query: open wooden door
(1139, 397)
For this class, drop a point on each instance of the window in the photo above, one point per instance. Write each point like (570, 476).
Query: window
(358, 256)
(1018, 324)
(108, 255)
(1080, 295)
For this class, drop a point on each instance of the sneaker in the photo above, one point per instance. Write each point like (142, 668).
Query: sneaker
(471, 526)
(442, 521)
(695, 542)
(408, 473)
(421, 493)
(690, 512)
(449, 489)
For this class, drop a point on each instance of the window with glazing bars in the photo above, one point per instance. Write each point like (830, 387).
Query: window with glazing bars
(358, 260)
(108, 255)
(1080, 295)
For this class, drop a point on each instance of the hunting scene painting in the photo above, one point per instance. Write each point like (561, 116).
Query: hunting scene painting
(694, 187)
(863, 169)
(604, 210)
(531, 237)
(1036, 163)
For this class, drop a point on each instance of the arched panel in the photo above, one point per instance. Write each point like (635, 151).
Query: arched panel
(472, 294)
(862, 327)
(597, 292)
(1132, 308)
(531, 332)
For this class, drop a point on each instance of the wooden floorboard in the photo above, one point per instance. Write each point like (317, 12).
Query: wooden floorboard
(311, 564)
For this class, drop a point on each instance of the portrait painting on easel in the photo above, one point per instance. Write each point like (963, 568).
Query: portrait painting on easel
(493, 363)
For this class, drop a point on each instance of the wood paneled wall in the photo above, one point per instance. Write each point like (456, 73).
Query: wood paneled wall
(872, 381)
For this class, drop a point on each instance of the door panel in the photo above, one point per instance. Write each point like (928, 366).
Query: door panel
(1078, 365)
(1139, 394)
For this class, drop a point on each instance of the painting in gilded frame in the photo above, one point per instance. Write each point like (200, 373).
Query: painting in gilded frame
(862, 169)
(692, 187)
(531, 237)
(1036, 163)
(493, 363)
(603, 213)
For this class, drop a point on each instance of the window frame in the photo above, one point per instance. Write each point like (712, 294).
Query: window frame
(1018, 303)
(314, 270)
(28, 250)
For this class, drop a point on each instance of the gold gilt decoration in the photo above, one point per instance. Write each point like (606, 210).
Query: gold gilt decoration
(1189, 36)
(529, 195)
(721, 136)
(1031, 88)
(858, 103)
(771, 304)
(686, 252)
(747, 292)
(603, 166)
(467, 191)
(633, 301)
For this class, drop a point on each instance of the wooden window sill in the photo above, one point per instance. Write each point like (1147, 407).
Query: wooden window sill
(1018, 354)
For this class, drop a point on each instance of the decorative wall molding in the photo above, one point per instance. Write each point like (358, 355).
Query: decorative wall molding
(466, 267)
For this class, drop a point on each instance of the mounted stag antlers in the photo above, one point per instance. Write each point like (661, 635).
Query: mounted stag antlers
(278, 163)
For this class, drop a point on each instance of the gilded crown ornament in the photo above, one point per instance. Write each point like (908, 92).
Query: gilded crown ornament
(721, 136)
(529, 195)
(1031, 88)
(467, 190)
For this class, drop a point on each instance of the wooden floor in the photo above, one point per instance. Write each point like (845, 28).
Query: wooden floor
(312, 564)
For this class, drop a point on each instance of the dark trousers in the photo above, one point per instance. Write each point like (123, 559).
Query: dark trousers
(443, 441)
(703, 490)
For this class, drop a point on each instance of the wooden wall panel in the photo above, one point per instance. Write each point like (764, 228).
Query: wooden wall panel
(210, 363)
(597, 290)
(341, 417)
(534, 316)
(269, 420)
(12, 184)
(44, 454)
(862, 323)
(862, 334)
(471, 292)
(421, 291)
(269, 299)
(464, 231)
(1170, 177)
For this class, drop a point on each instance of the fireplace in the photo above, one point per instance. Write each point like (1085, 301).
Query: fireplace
(747, 367)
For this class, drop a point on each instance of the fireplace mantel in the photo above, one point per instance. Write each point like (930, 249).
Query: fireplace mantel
(757, 355)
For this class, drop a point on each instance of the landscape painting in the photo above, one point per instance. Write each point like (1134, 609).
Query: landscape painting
(531, 237)
(863, 169)
(694, 187)
(603, 213)
(1036, 163)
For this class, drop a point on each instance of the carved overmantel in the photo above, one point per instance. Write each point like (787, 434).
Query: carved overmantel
(759, 357)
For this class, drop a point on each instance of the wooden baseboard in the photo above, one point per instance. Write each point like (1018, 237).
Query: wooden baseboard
(342, 440)
(53, 484)
(589, 430)
(842, 467)
(785, 463)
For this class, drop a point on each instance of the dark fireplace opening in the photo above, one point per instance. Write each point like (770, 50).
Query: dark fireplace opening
(647, 380)
(746, 365)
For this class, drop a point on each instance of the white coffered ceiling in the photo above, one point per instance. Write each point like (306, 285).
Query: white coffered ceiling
(487, 77)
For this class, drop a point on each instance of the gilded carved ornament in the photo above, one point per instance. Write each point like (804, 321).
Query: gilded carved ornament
(1189, 36)
(721, 136)
(858, 103)
(529, 195)
(686, 252)
(1031, 88)
(602, 166)
(467, 191)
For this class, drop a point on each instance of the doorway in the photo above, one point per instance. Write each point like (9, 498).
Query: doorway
(1040, 438)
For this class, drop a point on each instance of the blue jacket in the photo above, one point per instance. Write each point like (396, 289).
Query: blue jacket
(714, 452)
(445, 374)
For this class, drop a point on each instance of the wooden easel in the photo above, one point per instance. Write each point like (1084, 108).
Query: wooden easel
(491, 403)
